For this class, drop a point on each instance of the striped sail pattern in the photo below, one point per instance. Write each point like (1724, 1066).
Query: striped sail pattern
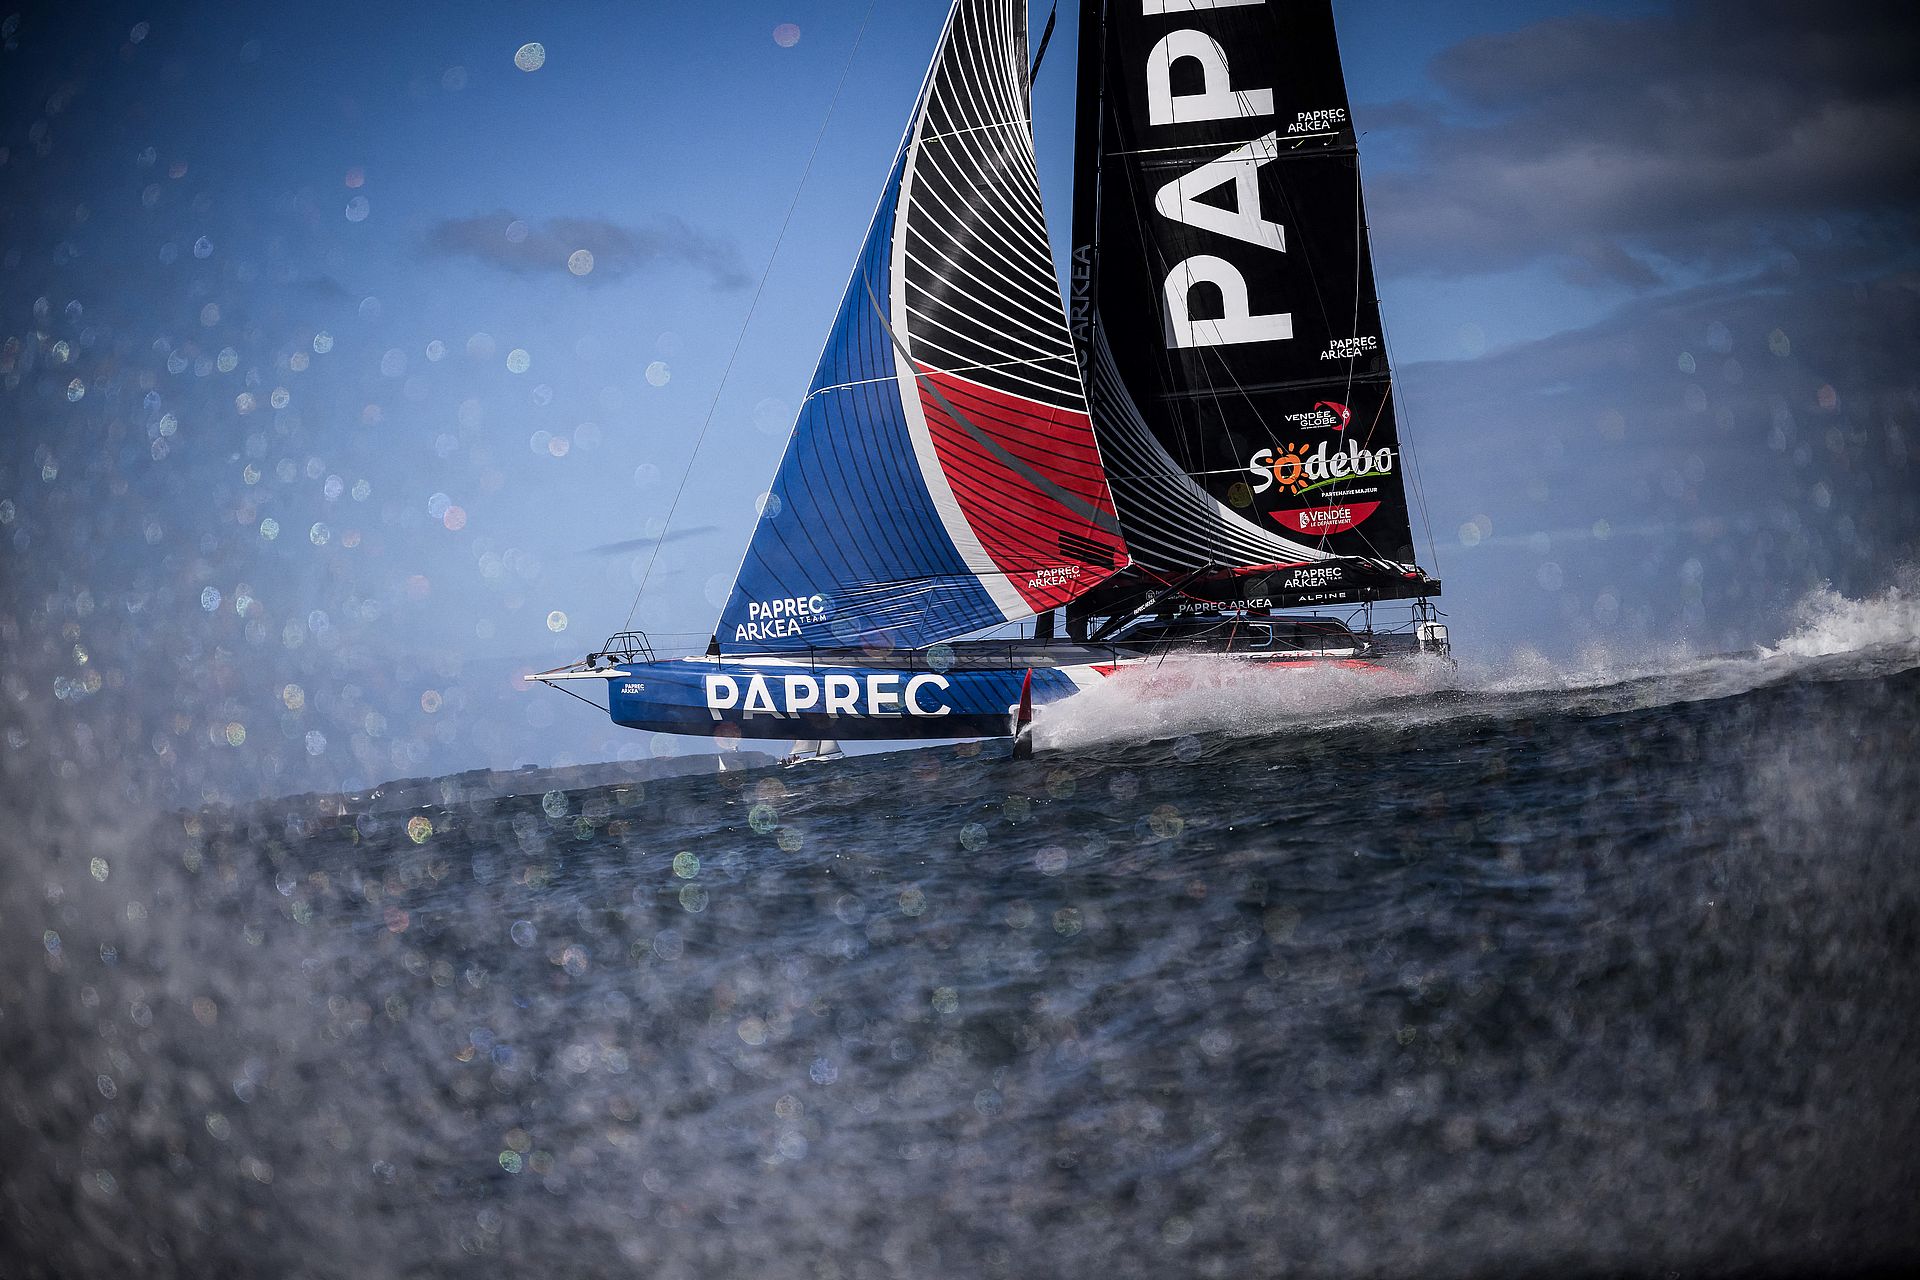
(942, 476)
(1173, 525)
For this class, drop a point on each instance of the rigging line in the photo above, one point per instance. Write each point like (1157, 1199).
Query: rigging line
(571, 694)
(1245, 392)
(972, 128)
(1359, 233)
(1295, 138)
(958, 369)
(1188, 431)
(752, 304)
(993, 448)
(1413, 459)
(1400, 410)
(1046, 37)
(1214, 532)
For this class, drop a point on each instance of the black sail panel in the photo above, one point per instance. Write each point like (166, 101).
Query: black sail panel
(1223, 302)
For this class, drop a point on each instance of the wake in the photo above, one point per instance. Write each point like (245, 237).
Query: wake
(1831, 637)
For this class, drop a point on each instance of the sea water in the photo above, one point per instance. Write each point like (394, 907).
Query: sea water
(1529, 968)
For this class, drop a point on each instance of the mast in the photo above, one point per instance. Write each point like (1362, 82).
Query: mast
(1223, 303)
(942, 476)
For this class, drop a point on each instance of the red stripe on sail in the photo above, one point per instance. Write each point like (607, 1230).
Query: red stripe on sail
(1018, 523)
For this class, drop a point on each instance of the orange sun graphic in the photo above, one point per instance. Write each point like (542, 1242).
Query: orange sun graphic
(1289, 467)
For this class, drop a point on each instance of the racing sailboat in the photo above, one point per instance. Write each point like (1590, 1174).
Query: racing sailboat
(1205, 445)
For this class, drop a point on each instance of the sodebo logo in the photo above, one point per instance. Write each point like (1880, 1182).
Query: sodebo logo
(833, 695)
(1295, 470)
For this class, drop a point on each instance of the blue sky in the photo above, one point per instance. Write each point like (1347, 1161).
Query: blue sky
(1647, 270)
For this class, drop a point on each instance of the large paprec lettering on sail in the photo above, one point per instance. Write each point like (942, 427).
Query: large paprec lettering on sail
(1222, 297)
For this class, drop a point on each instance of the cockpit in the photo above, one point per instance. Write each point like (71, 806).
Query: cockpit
(1308, 636)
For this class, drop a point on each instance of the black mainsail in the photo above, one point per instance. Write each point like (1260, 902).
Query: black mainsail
(1223, 303)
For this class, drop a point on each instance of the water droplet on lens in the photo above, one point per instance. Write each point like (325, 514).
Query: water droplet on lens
(772, 416)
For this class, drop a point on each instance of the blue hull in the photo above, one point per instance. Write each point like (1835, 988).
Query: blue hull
(774, 699)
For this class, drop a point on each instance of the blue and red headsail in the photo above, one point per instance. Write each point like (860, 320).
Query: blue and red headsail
(942, 476)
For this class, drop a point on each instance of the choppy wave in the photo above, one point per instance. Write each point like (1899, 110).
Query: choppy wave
(1605, 968)
(1830, 623)
(1832, 635)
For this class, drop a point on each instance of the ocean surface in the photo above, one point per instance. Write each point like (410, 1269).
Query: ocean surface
(1609, 970)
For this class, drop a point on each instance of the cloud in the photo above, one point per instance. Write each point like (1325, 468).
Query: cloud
(1638, 149)
(641, 544)
(524, 247)
(1687, 467)
(325, 287)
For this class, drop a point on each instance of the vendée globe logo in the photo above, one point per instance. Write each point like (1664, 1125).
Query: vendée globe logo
(1324, 414)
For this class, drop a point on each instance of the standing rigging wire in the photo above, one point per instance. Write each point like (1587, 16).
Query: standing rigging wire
(1046, 38)
(747, 320)
(1406, 435)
